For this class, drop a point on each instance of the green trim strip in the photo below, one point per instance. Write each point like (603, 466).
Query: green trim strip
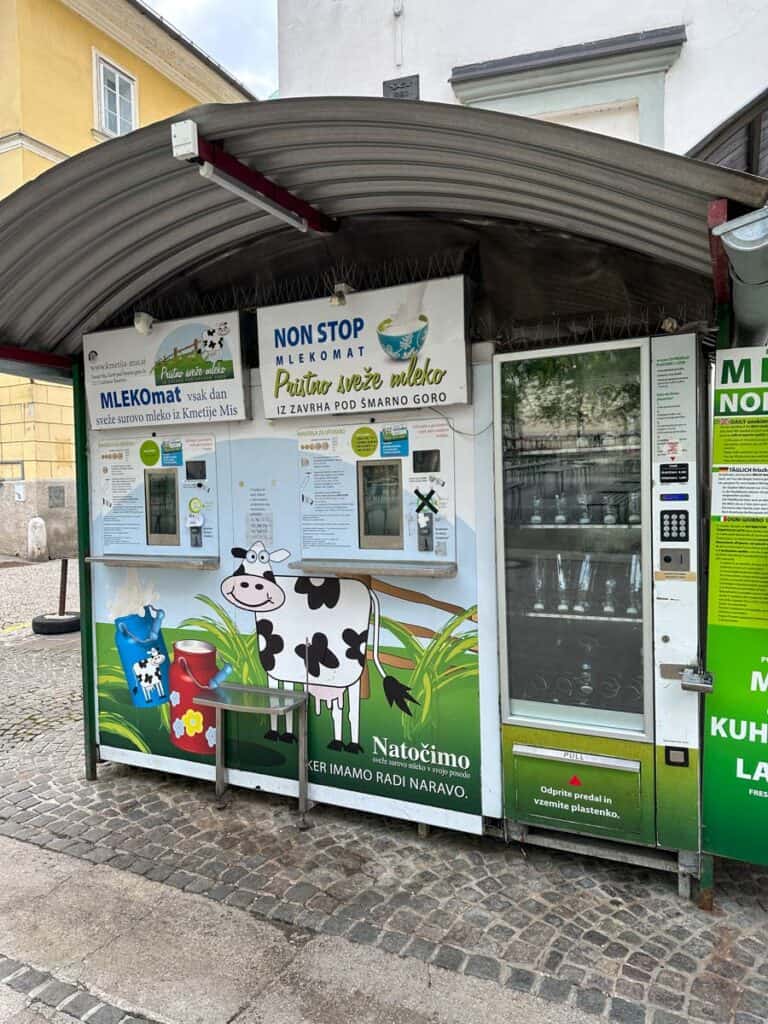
(84, 550)
(723, 325)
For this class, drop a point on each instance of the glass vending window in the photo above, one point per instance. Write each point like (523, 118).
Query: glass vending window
(196, 469)
(162, 504)
(380, 503)
(573, 515)
(426, 461)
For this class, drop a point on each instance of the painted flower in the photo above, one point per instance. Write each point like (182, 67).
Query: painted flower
(175, 698)
(270, 643)
(356, 645)
(319, 591)
(193, 722)
(317, 654)
(210, 736)
(178, 728)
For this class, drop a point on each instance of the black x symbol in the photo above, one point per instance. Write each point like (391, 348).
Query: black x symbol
(425, 502)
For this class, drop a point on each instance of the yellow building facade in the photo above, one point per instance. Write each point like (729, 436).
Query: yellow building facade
(74, 74)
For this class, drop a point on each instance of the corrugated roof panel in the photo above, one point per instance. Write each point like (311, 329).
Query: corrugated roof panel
(100, 229)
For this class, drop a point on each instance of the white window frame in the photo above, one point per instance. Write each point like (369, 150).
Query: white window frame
(100, 61)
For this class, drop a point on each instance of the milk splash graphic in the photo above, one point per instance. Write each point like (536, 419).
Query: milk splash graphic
(403, 334)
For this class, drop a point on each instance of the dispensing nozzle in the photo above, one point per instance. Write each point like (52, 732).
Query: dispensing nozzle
(220, 676)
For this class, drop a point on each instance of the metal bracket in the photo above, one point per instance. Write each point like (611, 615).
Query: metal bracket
(516, 833)
(696, 680)
(689, 862)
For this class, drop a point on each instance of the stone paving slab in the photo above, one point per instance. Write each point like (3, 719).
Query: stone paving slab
(607, 939)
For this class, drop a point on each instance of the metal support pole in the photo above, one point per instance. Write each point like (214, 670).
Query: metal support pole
(706, 894)
(90, 728)
(303, 753)
(221, 782)
(63, 586)
(303, 767)
(683, 885)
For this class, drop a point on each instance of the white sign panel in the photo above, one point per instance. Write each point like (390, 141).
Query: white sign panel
(183, 372)
(395, 348)
(158, 496)
(674, 368)
(383, 491)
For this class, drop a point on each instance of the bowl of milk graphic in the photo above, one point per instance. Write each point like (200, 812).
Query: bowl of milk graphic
(403, 334)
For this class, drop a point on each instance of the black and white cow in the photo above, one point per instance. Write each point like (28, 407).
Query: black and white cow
(211, 345)
(147, 674)
(313, 631)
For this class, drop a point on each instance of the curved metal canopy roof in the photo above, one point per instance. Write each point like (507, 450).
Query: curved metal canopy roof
(100, 229)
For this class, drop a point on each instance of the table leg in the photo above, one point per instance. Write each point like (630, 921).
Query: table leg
(221, 783)
(303, 767)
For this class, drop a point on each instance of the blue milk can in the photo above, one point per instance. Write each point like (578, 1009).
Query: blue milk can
(144, 656)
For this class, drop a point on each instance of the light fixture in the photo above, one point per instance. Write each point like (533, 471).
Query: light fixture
(211, 173)
(216, 165)
(143, 322)
(340, 292)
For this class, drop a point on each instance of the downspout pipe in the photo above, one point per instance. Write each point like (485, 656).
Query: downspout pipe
(745, 240)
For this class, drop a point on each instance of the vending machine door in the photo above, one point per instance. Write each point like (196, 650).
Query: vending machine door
(573, 518)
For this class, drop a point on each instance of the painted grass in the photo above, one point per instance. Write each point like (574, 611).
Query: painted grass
(234, 648)
(196, 365)
(447, 660)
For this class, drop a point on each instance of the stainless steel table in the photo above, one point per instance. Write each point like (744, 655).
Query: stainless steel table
(258, 700)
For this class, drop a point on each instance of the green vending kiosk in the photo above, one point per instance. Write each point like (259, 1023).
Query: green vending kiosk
(598, 552)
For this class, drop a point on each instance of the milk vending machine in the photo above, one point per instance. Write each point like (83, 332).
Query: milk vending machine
(599, 543)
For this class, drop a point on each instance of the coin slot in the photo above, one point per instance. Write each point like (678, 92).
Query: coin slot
(675, 559)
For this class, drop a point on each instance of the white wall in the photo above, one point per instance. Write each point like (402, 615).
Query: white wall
(347, 47)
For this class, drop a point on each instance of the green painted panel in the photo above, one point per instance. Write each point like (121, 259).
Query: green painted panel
(677, 803)
(602, 799)
(575, 796)
(736, 743)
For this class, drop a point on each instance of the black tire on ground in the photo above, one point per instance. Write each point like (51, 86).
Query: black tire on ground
(54, 625)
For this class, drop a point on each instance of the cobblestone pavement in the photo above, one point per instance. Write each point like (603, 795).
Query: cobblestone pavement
(45, 992)
(38, 694)
(32, 588)
(610, 939)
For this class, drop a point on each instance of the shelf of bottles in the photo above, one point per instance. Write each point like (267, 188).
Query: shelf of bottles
(573, 517)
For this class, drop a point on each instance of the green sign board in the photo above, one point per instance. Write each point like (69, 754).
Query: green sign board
(736, 724)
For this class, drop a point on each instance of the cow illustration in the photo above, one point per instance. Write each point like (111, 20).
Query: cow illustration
(211, 345)
(313, 631)
(148, 676)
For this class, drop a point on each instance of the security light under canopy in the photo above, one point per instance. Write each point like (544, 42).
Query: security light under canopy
(221, 168)
(209, 172)
(143, 322)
